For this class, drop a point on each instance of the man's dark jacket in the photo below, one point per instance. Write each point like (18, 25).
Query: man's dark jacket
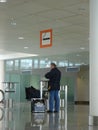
(54, 76)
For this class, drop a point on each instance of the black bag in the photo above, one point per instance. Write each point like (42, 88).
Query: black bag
(31, 92)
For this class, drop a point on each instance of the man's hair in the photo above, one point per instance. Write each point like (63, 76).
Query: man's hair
(53, 64)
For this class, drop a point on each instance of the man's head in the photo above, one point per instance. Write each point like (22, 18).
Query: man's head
(53, 65)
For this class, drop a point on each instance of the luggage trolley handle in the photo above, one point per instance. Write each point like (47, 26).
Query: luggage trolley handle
(41, 86)
(41, 89)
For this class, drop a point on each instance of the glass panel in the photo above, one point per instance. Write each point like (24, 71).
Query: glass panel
(71, 64)
(35, 63)
(62, 64)
(9, 65)
(26, 64)
(16, 65)
(48, 64)
(24, 82)
(70, 81)
(14, 81)
(42, 64)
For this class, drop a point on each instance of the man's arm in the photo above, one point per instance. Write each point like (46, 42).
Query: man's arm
(48, 75)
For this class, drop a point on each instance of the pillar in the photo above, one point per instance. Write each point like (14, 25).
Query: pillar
(93, 60)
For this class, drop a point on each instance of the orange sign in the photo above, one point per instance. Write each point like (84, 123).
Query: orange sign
(46, 38)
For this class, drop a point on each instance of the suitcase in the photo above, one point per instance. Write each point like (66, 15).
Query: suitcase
(39, 104)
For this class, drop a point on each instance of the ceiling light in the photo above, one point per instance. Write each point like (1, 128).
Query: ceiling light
(3, 1)
(82, 48)
(77, 55)
(26, 47)
(13, 23)
(20, 38)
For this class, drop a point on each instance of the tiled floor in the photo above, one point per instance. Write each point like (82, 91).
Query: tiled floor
(21, 118)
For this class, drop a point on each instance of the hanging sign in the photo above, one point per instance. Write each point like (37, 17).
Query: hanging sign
(46, 38)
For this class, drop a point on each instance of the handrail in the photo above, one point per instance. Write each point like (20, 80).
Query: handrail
(64, 90)
(2, 92)
(64, 104)
(2, 115)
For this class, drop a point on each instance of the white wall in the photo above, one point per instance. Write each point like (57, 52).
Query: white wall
(82, 89)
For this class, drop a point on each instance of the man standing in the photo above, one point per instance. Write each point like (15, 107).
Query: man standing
(54, 76)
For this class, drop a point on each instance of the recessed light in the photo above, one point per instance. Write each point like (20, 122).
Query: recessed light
(82, 48)
(77, 55)
(13, 23)
(26, 47)
(3, 1)
(20, 38)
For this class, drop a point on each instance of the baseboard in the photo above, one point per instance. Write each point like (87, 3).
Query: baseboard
(81, 102)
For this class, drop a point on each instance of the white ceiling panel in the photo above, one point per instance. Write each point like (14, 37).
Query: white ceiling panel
(69, 20)
(59, 3)
(79, 8)
(25, 9)
(56, 14)
(77, 20)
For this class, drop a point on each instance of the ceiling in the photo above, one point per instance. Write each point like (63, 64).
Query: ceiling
(69, 20)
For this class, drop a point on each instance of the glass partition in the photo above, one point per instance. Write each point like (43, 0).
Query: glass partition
(9, 65)
(16, 65)
(25, 64)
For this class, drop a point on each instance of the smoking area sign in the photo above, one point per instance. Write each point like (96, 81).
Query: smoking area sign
(46, 38)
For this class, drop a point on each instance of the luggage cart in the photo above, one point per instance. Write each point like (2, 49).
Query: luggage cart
(39, 104)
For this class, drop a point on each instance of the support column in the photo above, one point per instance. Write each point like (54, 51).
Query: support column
(93, 60)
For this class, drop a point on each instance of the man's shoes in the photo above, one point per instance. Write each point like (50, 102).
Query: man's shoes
(52, 111)
(49, 111)
(55, 111)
